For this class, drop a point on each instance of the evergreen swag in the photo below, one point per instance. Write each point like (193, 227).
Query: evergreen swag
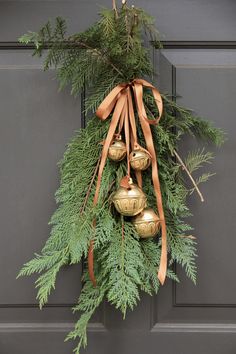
(109, 52)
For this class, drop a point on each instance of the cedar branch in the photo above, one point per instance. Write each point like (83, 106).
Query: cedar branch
(191, 237)
(90, 186)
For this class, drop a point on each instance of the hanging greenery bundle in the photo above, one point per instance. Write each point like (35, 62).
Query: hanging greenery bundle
(122, 178)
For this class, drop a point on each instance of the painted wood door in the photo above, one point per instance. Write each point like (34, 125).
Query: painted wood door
(198, 64)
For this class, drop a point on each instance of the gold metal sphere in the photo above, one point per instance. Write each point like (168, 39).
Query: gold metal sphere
(117, 150)
(129, 202)
(139, 160)
(147, 223)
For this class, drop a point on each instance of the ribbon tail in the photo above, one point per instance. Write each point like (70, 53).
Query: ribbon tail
(157, 97)
(127, 135)
(114, 122)
(163, 261)
(91, 264)
(138, 91)
(133, 135)
(156, 183)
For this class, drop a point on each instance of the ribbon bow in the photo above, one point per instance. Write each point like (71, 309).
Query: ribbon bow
(120, 101)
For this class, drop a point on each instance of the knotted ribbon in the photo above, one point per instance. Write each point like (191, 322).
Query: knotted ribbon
(120, 101)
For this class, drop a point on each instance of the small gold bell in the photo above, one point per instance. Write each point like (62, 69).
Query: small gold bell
(129, 202)
(139, 159)
(117, 150)
(147, 223)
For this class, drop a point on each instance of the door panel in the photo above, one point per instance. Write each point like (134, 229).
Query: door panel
(177, 20)
(184, 318)
(206, 84)
(36, 123)
(35, 126)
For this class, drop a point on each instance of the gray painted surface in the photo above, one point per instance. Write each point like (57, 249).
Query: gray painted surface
(198, 20)
(36, 122)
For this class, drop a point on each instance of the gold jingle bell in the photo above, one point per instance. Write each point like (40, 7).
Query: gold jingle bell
(139, 159)
(147, 223)
(117, 150)
(129, 202)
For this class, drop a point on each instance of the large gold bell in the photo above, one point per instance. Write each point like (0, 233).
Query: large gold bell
(129, 202)
(147, 223)
(117, 150)
(139, 160)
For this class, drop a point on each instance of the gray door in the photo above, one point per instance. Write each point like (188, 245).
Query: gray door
(198, 63)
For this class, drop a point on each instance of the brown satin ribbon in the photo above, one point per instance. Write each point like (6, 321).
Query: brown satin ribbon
(120, 100)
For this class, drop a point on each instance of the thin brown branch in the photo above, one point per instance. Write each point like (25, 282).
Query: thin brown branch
(72, 42)
(108, 191)
(114, 7)
(99, 53)
(90, 186)
(184, 167)
(110, 187)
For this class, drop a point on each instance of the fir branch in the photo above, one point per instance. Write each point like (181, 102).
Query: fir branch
(98, 53)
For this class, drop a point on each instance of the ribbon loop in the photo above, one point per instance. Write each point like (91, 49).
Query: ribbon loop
(120, 102)
(107, 105)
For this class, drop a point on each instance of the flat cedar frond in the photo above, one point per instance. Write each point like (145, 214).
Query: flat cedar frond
(205, 130)
(122, 260)
(148, 273)
(47, 281)
(108, 23)
(183, 251)
(196, 159)
(90, 298)
(42, 262)
(108, 53)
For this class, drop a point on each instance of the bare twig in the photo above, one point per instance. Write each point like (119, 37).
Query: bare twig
(98, 52)
(189, 174)
(108, 191)
(115, 8)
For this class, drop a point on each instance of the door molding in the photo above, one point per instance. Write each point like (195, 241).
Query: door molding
(166, 45)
